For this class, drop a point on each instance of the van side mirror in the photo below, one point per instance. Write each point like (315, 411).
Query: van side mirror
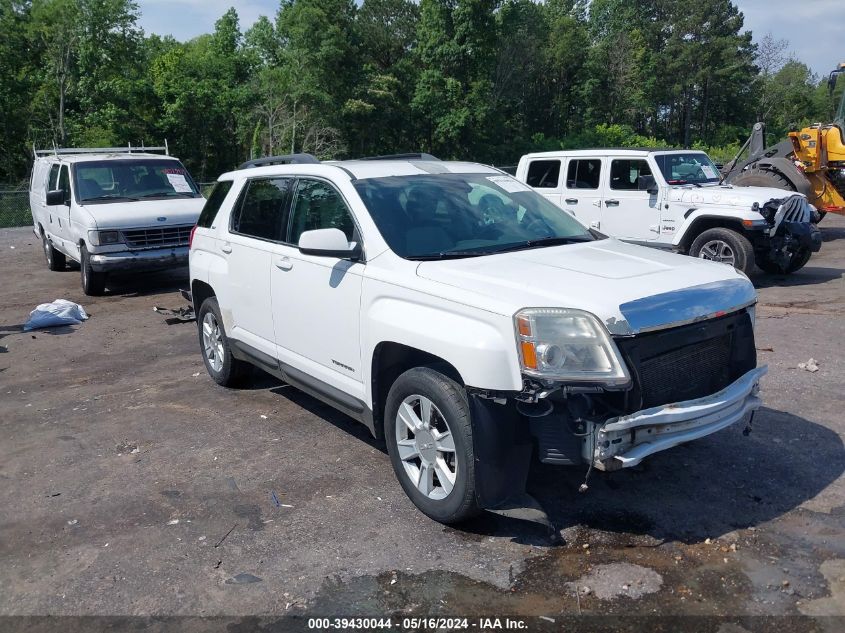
(649, 184)
(57, 197)
(328, 243)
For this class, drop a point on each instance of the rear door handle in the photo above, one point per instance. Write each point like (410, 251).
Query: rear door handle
(571, 201)
(611, 203)
(226, 247)
(284, 263)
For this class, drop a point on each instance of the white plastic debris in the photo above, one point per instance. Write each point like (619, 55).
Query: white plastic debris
(60, 312)
(811, 365)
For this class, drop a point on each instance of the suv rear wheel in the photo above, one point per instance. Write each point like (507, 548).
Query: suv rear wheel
(55, 259)
(429, 439)
(222, 366)
(725, 246)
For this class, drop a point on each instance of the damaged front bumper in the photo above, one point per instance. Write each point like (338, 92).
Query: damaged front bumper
(624, 441)
(142, 260)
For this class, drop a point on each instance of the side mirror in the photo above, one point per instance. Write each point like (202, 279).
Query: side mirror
(328, 243)
(649, 184)
(57, 197)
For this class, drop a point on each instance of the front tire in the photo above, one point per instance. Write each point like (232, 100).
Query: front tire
(725, 246)
(93, 282)
(428, 432)
(797, 261)
(55, 259)
(222, 366)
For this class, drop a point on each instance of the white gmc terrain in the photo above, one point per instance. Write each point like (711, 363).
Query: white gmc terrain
(466, 320)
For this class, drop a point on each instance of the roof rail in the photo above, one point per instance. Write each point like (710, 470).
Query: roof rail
(286, 159)
(129, 149)
(412, 156)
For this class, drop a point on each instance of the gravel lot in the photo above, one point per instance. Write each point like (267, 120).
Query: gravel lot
(133, 485)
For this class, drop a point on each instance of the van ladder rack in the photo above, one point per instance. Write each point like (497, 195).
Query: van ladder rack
(129, 149)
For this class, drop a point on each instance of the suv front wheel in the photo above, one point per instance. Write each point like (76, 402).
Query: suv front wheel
(725, 246)
(429, 439)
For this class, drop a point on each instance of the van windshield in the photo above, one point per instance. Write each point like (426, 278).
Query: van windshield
(684, 168)
(445, 216)
(131, 180)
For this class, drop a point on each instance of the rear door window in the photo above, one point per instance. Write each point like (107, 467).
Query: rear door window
(543, 174)
(262, 209)
(583, 173)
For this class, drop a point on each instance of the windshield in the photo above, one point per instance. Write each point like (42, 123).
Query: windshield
(439, 216)
(132, 179)
(687, 168)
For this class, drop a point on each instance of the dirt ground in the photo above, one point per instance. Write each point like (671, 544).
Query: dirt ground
(130, 484)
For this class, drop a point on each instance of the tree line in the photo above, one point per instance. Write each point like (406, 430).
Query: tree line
(484, 80)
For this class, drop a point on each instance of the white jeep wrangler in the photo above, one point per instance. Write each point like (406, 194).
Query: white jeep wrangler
(114, 209)
(466, 320)
(674, 199)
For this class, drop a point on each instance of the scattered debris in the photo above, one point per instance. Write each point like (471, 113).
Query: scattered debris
(547, 619)
(173, 522)
(73, 522)
(619, 579)
(811, 365)
(243, 579)
(276, 501)
(177, 315)
(225, 536)
(126, 447)
(263, 417)
(195, 375)
(707, 541)
(765, 349)
(202, 538)
(60, 312)
(217, 564)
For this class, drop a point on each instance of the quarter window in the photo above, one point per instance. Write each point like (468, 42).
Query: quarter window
(583, 173)
(318, 205)
(53, 178)
(262, 208)
(212, 205)
(627, 175)
(543, 174)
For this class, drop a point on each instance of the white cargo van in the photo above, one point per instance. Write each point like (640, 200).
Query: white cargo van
(112, 209)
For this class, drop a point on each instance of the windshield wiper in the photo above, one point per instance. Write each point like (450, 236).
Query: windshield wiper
(161, 194)
(545, 241)
(110, 197)
(683, 182)
(449, 255)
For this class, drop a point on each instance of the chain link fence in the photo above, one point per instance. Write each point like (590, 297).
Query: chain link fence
(14, 207)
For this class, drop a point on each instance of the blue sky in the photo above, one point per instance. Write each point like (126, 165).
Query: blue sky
(805, 23)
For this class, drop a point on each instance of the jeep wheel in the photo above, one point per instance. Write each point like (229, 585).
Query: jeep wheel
(93, 282)
(797, 261)
(725, 246)
(429, 439)
(222, 366)
(55, 259)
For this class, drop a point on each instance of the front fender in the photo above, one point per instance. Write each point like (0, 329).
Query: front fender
(479, 344)
(724, 217)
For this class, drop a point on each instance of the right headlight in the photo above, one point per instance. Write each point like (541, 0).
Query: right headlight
(568, 345)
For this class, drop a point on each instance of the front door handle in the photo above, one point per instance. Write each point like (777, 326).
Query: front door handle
(611, 203)
(284, 263)
(226, 247)
(571, 201)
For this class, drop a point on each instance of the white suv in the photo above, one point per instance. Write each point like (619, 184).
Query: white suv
(674, 199)
(114, 209)
(467, 321)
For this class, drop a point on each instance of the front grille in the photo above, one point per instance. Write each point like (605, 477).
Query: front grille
(689, 362)
(157, 237)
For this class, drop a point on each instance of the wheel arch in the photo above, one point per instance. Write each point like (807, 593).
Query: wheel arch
(389, 361)
(200, 291)
(704, 222)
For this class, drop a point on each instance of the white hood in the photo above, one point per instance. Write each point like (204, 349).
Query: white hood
(145, 213)
(727, 195)
(605, 278)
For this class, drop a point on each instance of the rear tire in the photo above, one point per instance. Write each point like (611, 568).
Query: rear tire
(428, 432)
(55, 259)
(93, 282)
(762, 178)
(222, 366)
(725, 246)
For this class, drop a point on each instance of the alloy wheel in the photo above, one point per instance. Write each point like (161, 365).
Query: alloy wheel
(718, 251)
(212, 341)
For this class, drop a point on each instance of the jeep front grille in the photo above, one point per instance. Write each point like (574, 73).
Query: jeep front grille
(157, 237)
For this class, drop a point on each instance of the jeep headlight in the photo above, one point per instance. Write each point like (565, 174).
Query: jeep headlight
(569, 345)
(101, 238)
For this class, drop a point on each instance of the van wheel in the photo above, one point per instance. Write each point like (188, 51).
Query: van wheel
(222, 366)
(93, 282)
(55, 259)
(428, 432)
(725, 246)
